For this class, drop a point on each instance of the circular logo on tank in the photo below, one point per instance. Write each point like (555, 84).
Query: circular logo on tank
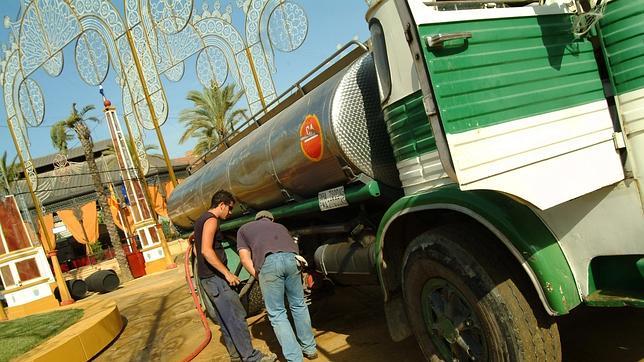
(311, 141)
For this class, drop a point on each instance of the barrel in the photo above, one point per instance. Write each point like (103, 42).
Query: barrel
(77, 289)
(102, 281)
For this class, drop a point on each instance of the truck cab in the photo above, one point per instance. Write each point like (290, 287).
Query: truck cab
(517, 132)
(480, 160)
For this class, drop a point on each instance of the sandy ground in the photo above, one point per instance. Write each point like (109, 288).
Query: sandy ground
(163, 325)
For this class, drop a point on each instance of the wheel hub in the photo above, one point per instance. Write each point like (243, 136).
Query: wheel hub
(451, 322)
(446, 329)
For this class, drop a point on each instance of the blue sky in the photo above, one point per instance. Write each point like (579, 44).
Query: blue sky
(330, 24)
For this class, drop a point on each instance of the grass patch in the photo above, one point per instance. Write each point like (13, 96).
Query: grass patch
(21, 335)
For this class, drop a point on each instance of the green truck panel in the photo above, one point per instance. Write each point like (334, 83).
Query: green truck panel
(509, 69)
(616, 281)
(408, 127)
(513, 220)
(622, 35)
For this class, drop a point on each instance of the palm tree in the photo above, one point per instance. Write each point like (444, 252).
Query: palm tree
(10, 173)
(212, 117)
(59, 137)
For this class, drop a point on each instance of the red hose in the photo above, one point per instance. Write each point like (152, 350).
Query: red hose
(195, 299)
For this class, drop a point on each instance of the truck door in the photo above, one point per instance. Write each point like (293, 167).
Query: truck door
(515, 97)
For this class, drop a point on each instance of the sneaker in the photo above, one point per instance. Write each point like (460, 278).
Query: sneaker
(313, 355)
(271, 357)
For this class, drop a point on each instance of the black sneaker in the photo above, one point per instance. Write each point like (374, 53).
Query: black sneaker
(313, 355)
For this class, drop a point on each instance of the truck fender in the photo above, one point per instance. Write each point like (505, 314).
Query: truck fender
(523, 234)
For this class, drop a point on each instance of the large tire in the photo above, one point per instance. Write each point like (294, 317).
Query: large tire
(461, 292)
(253, 301)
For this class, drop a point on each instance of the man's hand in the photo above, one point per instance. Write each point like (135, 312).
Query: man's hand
(232, 279)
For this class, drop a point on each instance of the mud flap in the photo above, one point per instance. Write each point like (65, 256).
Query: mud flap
(397, 322)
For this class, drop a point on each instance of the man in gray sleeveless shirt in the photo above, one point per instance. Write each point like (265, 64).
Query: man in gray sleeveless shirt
(216, 281)
(268, 252)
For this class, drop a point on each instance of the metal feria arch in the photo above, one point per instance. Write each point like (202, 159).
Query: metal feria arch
(150, 39)
(153, 38)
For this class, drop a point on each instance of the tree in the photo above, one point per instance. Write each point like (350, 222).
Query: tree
(60, 135)
(10, 173)
(212, 117)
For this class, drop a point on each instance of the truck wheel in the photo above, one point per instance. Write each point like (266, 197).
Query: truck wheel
(463, 303)
(253, 301)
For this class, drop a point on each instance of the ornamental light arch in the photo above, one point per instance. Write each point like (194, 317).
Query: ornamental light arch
(149, 39)
(152, 38)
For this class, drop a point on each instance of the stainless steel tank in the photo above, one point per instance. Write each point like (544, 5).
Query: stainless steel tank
(291, 157)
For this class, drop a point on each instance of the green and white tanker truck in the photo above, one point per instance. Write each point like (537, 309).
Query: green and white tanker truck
(481, 160)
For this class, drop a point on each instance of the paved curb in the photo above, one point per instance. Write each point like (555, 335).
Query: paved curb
(101, 324)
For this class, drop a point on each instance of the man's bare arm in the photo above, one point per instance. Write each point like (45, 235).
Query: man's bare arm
(247, 261)
(208, 252)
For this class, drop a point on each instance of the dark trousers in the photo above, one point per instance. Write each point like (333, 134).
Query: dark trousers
(231, 317)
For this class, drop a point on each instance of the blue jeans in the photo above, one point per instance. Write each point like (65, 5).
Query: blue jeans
(231, 317)
(280, 275)
(212, 313)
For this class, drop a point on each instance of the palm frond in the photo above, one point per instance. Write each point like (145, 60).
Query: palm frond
(87, 108)
(10, 170)
(60, 131)
(212, 116)
(60, 136)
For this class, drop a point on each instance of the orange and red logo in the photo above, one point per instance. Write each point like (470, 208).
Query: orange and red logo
(311, 141)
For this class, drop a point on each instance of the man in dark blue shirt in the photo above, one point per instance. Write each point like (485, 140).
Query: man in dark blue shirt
(216, 280)
(268, 252)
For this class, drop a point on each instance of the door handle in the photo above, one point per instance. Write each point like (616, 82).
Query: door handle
(437, 40)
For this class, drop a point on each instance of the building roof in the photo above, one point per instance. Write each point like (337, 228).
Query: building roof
(73, 154)
(60, 188)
